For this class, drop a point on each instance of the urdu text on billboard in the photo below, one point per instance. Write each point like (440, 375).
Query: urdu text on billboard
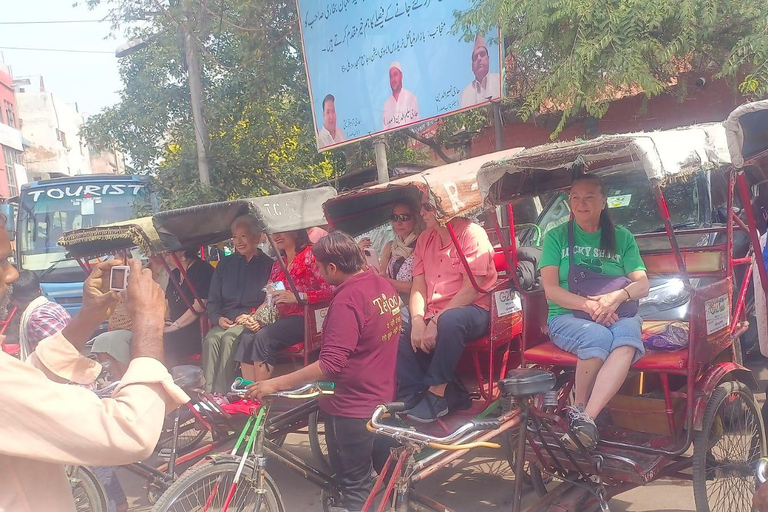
(379, 65)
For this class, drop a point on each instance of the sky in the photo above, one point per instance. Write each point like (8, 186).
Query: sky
(91, 80)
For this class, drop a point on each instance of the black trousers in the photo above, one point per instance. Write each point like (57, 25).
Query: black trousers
(351, 453)
(417, 371)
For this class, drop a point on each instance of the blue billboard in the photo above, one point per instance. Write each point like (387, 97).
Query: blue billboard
(374, 66)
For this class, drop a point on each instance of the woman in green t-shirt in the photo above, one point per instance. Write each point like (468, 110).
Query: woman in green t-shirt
(605, 344)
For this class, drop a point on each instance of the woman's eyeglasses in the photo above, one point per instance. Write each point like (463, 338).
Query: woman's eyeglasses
(402, 217)
(427, 207)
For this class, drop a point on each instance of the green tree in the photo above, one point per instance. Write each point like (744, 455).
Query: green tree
(575, 55)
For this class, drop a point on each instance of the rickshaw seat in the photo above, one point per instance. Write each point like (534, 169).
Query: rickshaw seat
(526, 382)
(187, 375)
(500, 261)
(548, 353)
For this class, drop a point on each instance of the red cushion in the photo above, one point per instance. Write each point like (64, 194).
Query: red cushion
(294, 349)
(548, 353)
(12, 349)
(500, 261)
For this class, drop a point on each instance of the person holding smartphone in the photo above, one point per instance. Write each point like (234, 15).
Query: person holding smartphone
(261, 340)
(396, 264)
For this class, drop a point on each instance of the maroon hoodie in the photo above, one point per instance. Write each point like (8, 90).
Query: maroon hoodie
(359, 347)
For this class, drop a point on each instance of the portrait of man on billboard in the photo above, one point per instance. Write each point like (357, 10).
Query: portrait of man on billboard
(401, 107)
(330, 133)
(485, 85)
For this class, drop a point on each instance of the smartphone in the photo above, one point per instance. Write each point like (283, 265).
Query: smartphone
(118, 277)
(372, 258)
(279, 286)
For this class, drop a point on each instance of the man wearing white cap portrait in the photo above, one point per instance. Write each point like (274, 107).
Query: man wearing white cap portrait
(485, 85)
(401, 107)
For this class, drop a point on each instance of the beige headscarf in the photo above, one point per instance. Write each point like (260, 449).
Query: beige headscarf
(403, 248)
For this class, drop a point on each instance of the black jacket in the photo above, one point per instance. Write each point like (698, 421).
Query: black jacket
(237, 286)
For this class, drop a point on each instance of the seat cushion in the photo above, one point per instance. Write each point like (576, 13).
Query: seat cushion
(654, 360)
(483, 344)
(293, 349)
(12, 349)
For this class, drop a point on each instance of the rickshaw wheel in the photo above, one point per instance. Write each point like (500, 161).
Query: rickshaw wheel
(88, 493)
(317, 441)
(191, 433)
(727, 449)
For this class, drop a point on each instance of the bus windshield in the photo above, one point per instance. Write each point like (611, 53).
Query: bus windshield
(47, 213)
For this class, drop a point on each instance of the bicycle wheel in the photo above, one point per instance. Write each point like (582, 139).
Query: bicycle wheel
(87, 491)
(727, 449)
(206, 488)
(317, 441)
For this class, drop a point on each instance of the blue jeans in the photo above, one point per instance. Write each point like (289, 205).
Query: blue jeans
(588, 339)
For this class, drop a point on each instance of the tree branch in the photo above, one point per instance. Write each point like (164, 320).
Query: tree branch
(434, 146)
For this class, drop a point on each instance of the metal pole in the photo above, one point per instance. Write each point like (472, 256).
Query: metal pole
(497, 126)
(381, 159)
(196, 97)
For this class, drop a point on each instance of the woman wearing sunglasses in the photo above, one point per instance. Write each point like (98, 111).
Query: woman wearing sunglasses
(397, 255)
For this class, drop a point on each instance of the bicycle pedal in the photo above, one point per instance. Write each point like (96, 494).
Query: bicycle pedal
(164, 454)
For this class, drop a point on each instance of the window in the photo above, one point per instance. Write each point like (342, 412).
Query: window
(10, 116)
(12, 157)
(61, 136)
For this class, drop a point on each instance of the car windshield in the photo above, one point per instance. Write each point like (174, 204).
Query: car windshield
(46, 215)
(632, 205)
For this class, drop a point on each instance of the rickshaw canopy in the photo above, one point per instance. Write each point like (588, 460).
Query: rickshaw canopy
(210, 223)
(747, 132)
(452, 189)
(662, 156)
(110, 238)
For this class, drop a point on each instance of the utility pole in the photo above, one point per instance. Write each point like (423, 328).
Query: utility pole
(380, 146)
(194, 74)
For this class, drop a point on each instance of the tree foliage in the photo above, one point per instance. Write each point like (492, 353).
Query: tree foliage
(574, 55)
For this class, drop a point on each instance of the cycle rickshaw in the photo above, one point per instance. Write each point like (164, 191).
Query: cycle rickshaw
(695, 397)
(454, 192)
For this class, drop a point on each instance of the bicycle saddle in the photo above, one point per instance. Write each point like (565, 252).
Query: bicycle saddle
(187, 375)
(527, 382)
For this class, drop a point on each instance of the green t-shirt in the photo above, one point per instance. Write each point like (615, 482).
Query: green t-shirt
(587, 252)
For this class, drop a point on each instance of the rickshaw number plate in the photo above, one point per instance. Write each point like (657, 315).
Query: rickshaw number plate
(717, 313)
(320, 318)
(507, 302)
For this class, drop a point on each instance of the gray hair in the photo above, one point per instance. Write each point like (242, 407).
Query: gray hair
(249, 222)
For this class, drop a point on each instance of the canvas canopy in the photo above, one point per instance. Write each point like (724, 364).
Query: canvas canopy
(452, 189)
(661, 155)
(110, 238)
(747, 132)
(210, 223)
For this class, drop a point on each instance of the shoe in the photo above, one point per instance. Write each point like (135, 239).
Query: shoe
(410, 401)
(429, 409)
(582, 426)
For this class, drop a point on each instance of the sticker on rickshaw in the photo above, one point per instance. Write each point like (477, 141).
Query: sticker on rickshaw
(507, 302)
(320, 318)
(619, 201)
(717, 312)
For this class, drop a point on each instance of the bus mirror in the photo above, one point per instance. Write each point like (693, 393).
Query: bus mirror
(10, 219)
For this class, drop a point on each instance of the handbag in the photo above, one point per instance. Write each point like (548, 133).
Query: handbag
(586, 282)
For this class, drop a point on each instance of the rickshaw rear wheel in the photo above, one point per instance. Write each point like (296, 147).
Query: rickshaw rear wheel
(725, 452)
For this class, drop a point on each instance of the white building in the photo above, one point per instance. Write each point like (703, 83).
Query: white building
(52, 129)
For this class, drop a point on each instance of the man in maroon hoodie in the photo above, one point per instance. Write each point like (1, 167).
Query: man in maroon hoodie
(358, 353)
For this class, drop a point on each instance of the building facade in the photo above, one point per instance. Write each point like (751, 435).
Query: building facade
(12, 171)
(52, 129)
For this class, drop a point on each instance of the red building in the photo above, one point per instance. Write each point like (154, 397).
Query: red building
(12, 172)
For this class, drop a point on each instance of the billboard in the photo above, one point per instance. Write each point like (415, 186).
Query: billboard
(379, 65)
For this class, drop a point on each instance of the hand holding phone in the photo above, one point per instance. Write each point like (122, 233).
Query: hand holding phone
(118, 277)
(372, 259)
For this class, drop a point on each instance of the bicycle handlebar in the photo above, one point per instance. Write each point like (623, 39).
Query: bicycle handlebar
(311, 390)
(440, 443)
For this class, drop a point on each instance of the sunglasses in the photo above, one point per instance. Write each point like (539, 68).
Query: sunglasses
(402, 217)
(427, 207)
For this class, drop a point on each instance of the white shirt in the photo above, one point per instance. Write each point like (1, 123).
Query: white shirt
(324, 138)
(400, 111)
(479, 92)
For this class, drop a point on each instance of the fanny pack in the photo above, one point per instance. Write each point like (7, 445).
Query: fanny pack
(586, 282)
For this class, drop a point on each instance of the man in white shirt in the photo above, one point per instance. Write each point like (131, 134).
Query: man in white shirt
(485, 85)
(402, 107)
(330, 133)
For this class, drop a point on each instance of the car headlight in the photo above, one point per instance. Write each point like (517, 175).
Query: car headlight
(668, 295)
